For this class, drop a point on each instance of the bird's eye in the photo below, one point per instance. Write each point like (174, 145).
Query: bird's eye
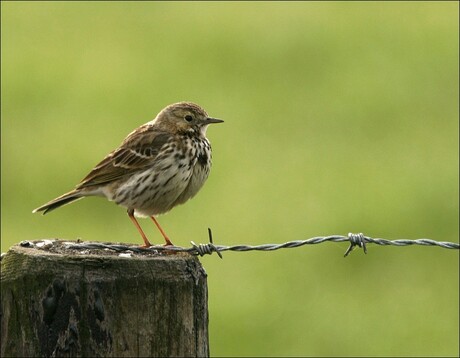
(188, 118)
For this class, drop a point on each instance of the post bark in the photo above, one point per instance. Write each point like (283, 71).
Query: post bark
(98, 303)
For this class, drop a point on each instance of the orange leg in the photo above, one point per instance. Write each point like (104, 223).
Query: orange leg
(168, 242)
(133, 219)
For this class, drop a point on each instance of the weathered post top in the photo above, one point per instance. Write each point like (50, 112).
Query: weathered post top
(61, 302)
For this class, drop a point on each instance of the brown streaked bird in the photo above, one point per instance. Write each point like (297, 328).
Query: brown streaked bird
(159, 165)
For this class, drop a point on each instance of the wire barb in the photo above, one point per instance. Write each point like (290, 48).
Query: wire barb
(355, 240)
(206, 249)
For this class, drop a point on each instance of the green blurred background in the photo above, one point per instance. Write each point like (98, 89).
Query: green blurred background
(339, 117)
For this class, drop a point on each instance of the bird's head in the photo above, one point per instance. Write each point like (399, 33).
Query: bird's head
(184, 117)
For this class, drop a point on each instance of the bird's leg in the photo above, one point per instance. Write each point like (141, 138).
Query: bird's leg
(168, 242)
(133, 219)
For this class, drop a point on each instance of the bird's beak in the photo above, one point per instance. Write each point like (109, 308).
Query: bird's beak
(213, 120)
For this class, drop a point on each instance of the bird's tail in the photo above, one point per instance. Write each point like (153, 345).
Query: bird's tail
(64, 199)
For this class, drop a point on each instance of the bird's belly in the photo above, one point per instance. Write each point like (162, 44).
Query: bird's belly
(153, 192)
(197, 180)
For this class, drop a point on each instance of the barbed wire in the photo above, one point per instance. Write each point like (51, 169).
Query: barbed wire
(355, 240)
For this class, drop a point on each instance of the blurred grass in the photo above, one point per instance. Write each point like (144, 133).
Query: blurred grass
(339, 117)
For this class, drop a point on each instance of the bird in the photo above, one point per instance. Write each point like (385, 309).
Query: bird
(159, 165)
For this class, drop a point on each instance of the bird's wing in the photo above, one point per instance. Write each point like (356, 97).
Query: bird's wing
(137, 152)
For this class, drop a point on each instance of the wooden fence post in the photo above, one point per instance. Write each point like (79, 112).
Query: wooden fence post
(72, 304)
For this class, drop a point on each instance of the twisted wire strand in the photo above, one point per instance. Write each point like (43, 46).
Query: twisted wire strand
(355, 240)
